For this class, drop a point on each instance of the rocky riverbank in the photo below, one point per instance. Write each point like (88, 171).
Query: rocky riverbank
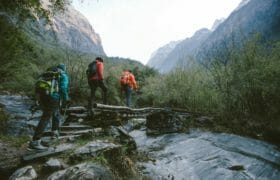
(120, 145)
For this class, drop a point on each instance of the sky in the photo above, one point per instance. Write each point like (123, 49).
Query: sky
(136, 28)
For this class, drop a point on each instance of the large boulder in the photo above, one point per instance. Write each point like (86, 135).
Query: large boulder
(83, 171)
(25, 173)
(164, 121)
(10, 159)
(93, 149)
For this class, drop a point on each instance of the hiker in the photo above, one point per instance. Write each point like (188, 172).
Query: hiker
(95, 80)
(128, 84)
(51, 89)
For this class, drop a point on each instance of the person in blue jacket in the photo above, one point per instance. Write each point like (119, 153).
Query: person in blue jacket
(50, 104)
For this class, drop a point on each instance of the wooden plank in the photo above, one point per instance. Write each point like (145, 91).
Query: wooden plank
(52, 151)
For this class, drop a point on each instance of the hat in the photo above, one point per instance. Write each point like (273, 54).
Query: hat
(61, 66)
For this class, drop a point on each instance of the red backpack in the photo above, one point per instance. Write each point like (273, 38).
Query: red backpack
(124, 78)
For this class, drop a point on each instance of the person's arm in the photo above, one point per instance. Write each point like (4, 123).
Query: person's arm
(63, 86)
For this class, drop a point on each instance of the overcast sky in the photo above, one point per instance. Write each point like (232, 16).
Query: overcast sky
(136, 28)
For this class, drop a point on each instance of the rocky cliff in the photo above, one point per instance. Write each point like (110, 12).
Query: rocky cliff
(67, 29)
(74, 30)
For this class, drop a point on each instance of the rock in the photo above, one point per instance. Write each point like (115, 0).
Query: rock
(134, 123)
(164, 121)
(10, 159)
(105, 119)
(25, 173)
(122, 164)
(83, 171)
(92, 149)
(204, 121)
(52, 165)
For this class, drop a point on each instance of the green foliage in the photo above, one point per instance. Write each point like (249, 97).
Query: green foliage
(17, 141)
(24, 59)
(240, 83)
(183, 88)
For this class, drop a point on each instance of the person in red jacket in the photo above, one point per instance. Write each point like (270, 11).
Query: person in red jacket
(128, 83)
(95, 80)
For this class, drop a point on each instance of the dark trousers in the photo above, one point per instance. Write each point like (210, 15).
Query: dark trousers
(128, 92)
(93, 87)
(48, 113)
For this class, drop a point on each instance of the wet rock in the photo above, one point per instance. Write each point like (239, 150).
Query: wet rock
(134, 123)
(83, 171)
(123, 137)
(3, 120)
(92, 149)
(205, 155)
(52, 165)
(21, 121)
(10, 159)
(204, 121)
(123, 166)
(25, 173)
(164, 121)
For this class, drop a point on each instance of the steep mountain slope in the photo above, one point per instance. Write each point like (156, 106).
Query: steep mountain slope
(183, 49)
(69, 29)
(251, 16)
(74, 30)
(254, 16)
(160, 55)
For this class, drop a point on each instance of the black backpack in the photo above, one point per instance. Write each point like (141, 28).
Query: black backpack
(91, 70)
(47, 83)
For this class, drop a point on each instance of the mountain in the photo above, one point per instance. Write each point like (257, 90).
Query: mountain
(183, 49)
(250, 17)
(159, 55)
(217, 23)
(74, 30)
(67, 29)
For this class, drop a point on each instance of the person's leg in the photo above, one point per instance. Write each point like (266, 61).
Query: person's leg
(47, 113)
(128, 96)
(104, 91)
(55, 122)
(92, 98)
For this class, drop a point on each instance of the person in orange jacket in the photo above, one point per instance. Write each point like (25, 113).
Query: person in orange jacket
(128, 84)
(95, 80)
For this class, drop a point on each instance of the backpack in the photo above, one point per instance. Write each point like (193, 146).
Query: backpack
(47, 83)
(91, 70)
(124, 78)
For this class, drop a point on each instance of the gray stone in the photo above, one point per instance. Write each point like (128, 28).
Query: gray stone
(164, 121)
(52, 165)
(83, 171)
(25, 173)
(92, 149)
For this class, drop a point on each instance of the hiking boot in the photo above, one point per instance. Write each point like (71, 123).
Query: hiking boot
(55, 134)
(36, 145)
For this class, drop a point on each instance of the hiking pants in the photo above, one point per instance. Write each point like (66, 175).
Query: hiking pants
(93, 86)
(128, 92)
(48, 113)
